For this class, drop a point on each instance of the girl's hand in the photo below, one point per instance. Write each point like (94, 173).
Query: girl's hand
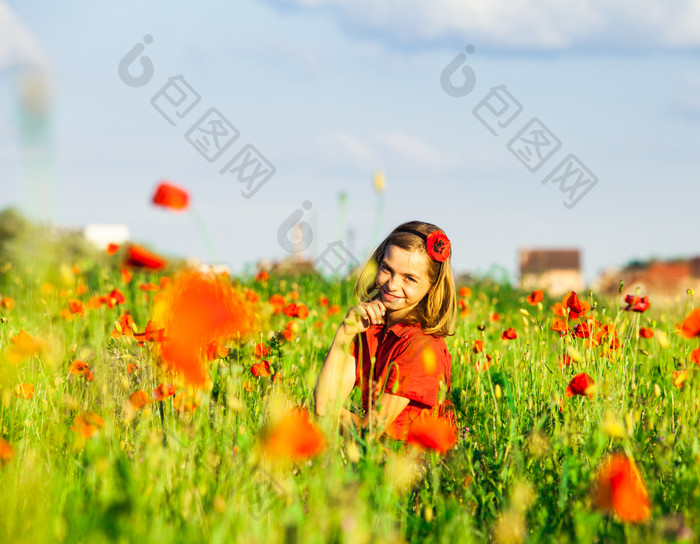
(359, 318)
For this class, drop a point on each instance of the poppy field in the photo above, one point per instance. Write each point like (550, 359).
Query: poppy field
(143, 402)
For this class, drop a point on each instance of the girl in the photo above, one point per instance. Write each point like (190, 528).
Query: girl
(391, 344)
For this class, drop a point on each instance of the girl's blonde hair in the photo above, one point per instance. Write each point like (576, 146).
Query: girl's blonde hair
(437, 312)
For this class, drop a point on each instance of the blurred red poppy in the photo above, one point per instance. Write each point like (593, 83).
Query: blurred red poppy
(695, 356)
(560, 326)
(621, 490)
(7, 452)
(582, 330)
(87, 424)
(261, 369)
(534, 297)
(171, 196)
(679, 377)
(294, 437)
(112, 249)
(432, 432)
(262, 276)
(260, 350)
(139, 399)
(637, 304)
(126, 322)
(691, 324)
(573, 303)
(478, 346)
(646, 333)
(163, 391)
(139, 257)
(581, 384)
(216, 350)
(114, 298)
(465, 292)
(24, 390)
(277, 302)
(150, 334)
(509, 334)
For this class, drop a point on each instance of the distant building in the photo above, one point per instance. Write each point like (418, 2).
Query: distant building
(655, 278)
(556, 271)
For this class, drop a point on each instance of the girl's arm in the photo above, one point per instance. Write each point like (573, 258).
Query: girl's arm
(390, 406)
(337, 377)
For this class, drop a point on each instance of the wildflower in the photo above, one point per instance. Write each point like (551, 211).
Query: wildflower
(432, 432)
(646, 333)
(81, 289)
(262, 276)
(216, 350)
(323, 301)
(114, 298)
(573, 303)
(163, 391)
(126, 275)
(290, 310)
(620, 489)
(7, 303)
(582, 330)
(139, 399)
(7, 452)
(334, 309)
(581, 384)
(637, 304)
(81, 368)
(140, 257)
(534, 298)
(560, 326)
(186, 402)
(150, 334)
(294, 437)
(277, 302)
(463, 306)
(171, 196)
(126, 322)
(131, 368)
(24, 391)
(478, 346)
(690, 327)
(679, 377)
(251, 296)
(509, 334)
(465, 292)
(23, 346)
(261, 369)
(88, 424)
(260, 350)
(695, 356)
(112, 249)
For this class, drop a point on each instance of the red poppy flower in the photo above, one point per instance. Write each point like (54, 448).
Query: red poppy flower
(81, 368)
(131, 368)
(691, 324)
(534, 297)
(139, 257)
(582, 330)
(139, 399)
(112, 249)
(171, 196)
(6, 452)
(294, 437)
(463, 306)
(478, 346)
(163, 391)
(251, 296)
(260, 350)
(559, 309)
(150, 334)
(87, 424)
(24, 390)
(262, 276)
(438, 246)
(509, 334)
(432, 432)
(679, 377)
(323, 301)
(646, 333)
(216, 350)
(573, 303)
(495, 316)
(560, 326)
(465, 292)
(290, 310)
(581, 384)
(637, 304)
(126, 275)
(186, 402)
(695, 356)
(261, 369)
(125, 324)
(114, 298)
(333, 309)
(621, 490)
(76, 307)
(277, 302)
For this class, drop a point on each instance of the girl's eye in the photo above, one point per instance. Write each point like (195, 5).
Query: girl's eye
(409, 278)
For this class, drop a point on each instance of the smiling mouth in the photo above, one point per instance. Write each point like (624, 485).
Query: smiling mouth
(388, 297)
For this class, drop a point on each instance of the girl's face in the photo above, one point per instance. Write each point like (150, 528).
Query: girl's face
(402, 280)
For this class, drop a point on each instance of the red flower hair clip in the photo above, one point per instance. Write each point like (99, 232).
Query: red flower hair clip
(439, 246)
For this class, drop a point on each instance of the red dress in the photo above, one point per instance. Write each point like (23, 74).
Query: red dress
(409, 364)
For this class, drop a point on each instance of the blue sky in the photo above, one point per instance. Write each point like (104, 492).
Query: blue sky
(331, 90)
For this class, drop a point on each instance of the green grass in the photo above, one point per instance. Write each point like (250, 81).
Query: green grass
(525, 459)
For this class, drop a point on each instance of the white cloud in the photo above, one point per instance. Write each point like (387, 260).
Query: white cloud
(525, 24)
(382, 149)
(18, 48)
